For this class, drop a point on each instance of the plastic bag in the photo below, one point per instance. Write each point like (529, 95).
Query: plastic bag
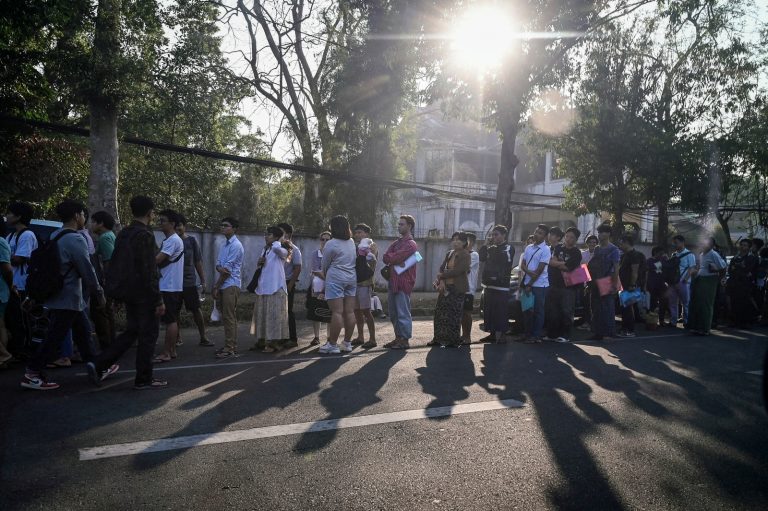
(215, 313)
(527, 300)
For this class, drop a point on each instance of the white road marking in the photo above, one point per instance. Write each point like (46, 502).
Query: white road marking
(757, 373)
(186, 442)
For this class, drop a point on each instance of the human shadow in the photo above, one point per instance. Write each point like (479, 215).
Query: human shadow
(246, 395)
(348, 395)
(446, 375)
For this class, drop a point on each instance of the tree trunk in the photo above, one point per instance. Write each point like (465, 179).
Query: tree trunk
(723, 221)
(103, 104)
(509, 161)
(103, 180)
(663, 229)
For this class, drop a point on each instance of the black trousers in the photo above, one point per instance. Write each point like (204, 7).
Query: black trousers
(17, 322)
(60, 323)
(291, 315)
(143, 325)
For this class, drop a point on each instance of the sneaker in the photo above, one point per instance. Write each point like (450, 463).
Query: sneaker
(368, 345)
(110, 371)
(36, 382)
(329, 349)
(625, 334)
(180, 342)
(154, 384)
(346, 346)
(549, 339)
(401, 345)
(225, 354)
(562, 340)
(93, 373)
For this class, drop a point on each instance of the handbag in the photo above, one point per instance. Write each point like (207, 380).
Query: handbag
(578, 276)
(254, 283)
(605, 286)
(386, 272)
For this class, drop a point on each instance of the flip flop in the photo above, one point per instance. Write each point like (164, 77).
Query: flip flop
(158, 360)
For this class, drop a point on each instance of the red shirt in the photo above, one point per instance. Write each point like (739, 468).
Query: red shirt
(397, 253)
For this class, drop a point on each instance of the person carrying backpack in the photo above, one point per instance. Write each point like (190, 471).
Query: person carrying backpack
(677, 274)
(133, 279)
(58, 272)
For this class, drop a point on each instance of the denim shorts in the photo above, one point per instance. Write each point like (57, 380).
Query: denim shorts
(335, 290)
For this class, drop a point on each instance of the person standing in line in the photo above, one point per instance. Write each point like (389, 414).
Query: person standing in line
(6, 284)
(586, 256)
(452, 284)
(102, 225)
(741, 280)
(561, 300)
(193, 268)
(499, 257)
(22, 242)
(632, 271)
(655, 283)
(317, 285)
(363, 315)
(339, 257)
(679, 279)
(227, 287)
(469, 298)
(292, 273)
(536, 281)
(401, 285)
(170, 260)
(270, 311)
(604, 263)
(706, 278)
(133, 275)
(66, 308)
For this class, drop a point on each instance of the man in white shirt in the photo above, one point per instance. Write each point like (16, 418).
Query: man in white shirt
(469, 300)
(536, 282)
(170, 261)
(22, 242)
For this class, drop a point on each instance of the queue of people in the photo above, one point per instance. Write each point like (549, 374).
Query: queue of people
(87, 281)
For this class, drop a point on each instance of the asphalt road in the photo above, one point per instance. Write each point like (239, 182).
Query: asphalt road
(664, 421)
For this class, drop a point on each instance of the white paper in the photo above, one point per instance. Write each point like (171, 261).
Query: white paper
(415, 258)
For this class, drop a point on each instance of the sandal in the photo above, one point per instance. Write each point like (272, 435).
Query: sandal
(315, 341)
(160, 360)
(368, 345)
(154, 384)
(62, 362)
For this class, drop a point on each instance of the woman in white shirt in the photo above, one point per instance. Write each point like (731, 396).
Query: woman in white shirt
(270, 312)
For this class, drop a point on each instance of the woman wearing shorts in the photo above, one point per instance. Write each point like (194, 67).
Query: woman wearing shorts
(340, 285)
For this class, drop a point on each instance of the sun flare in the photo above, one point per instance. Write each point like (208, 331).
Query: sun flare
(482, 37)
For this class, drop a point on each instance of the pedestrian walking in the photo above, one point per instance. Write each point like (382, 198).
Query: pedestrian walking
(133, 279)
(102, 225)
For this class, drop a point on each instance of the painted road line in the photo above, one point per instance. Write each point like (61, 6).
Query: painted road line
(186, 442)
(756, 373)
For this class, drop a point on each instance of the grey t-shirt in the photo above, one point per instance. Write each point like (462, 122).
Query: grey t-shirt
(339, 261)
(192, 255)
(294, 262)
(77, 270)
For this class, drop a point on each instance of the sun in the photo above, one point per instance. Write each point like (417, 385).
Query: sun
(482, 37)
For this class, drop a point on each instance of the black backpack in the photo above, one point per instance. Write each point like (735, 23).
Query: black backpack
(670, 269)
(44, 278)
(363, 271)
(120, 278)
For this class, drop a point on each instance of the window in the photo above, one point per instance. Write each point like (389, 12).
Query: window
(469, 215)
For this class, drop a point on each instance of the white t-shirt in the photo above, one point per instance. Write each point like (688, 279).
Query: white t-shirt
(172, 276)
(533, 256)
(474, 266)
(21, 246)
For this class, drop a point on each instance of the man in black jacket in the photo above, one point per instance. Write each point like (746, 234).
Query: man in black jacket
(498, 256)
(144, 304)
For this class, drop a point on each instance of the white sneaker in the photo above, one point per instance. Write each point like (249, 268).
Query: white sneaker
(562, 339)
(346, 346)
(329, 349)
(548, 338)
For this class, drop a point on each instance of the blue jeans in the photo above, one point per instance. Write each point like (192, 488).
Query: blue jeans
(399, 305)
(534, 320)
(61, 321)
